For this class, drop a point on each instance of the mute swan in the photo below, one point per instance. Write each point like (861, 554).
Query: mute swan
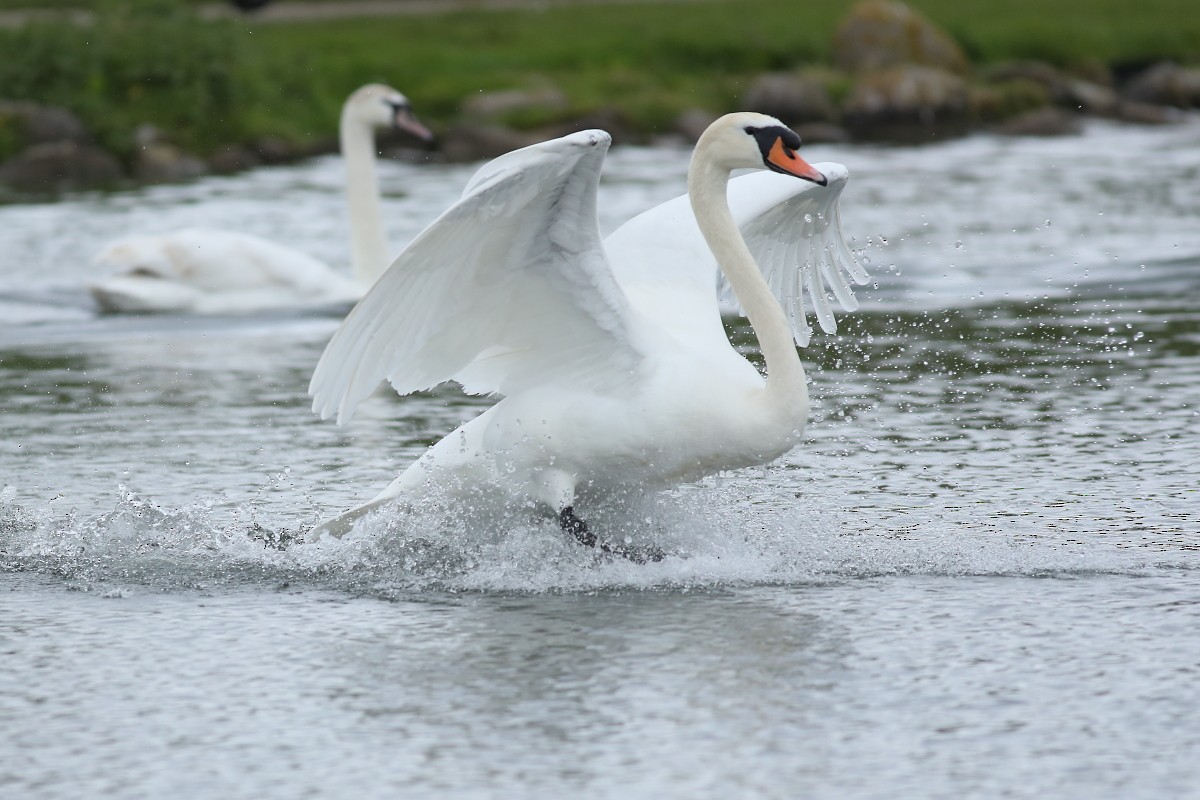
(615, 374)
(206, 271)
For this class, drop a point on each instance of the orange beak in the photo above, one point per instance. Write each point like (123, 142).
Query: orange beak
(785, 160)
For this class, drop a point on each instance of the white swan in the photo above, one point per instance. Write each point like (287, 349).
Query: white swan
(206, 271)
(615, 375)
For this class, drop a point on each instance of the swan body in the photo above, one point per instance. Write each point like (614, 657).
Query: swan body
(617, 376)
(212, 271)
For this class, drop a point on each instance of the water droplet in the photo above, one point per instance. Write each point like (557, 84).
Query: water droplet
(958, 244)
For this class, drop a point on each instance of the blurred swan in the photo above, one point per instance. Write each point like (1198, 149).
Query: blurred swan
(209, 271)
(612, 359)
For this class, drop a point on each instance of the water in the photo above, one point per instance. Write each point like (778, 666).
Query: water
(976, 577)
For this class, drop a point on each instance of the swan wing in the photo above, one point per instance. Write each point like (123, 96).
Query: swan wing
(792, 228)
(508, 289)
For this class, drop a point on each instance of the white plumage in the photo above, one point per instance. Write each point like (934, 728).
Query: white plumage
(611, 357)
(211, 271)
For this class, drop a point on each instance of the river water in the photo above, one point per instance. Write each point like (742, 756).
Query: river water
(977, 576)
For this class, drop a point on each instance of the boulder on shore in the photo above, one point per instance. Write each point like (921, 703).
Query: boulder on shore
(31, 123)
(1047, 121)
(60, 166)
(878, 34)
(1087, 96)
(1166, 84)
(793, 99)
(907, 104)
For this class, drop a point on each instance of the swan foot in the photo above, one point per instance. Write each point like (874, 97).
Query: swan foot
(578, 528)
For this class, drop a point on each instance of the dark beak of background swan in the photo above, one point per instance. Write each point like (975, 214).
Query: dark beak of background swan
(403, 119)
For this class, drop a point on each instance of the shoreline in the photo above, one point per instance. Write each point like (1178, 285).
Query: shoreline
(225, 96)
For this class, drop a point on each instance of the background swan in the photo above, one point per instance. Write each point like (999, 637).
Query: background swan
(203, 270)
(616, 375)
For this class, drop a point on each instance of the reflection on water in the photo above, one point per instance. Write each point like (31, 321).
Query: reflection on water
(976, 576)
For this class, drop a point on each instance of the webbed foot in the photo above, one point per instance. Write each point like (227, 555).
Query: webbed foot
(579, 529)
(576, 527)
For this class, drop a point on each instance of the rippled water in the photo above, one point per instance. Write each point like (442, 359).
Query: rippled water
(976, 577)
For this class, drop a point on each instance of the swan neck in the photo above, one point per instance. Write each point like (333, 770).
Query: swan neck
(368, 246)
(707, 189)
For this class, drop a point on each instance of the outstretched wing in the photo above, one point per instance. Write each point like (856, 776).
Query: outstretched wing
(792, 228)
(509, 288)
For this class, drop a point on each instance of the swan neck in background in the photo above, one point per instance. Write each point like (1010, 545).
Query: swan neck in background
(707, 186)
(368, 246)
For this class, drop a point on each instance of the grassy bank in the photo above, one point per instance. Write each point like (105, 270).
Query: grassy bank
(213, 82)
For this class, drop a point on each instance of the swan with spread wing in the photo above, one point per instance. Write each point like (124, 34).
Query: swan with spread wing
(212, 271)
(613, 363)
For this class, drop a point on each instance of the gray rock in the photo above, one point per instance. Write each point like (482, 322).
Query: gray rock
(275, 150)
(814, 132)
(1087, 96)
(794, 99)
(38, 124)
(878, 33)
(1041, 122)
(474, 142)
(907, 104)
(490, 105)
(1166, 84)
(606, 118)
(693, 122)
(60, 166)
(164, 163)
(233, 158)
(1147, 114)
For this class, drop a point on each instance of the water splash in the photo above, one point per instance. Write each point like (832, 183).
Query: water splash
(713, 536)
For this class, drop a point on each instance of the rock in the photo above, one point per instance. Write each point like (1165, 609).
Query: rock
(275, 150)
(814, 132)
(793, 99)
(1147, 114)
(996, 102)
(606, 118)
(878, 33)
(1087, 96)
(1040, 122)
(475, 142)
(907, 104)
(693, 122)
(60, 166)
(159, 162)
(1037, 72)
(491, 105)
(1166, 84)
(31, 123)
(233, 158)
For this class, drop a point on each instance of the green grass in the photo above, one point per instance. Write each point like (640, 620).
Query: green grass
(208, 83)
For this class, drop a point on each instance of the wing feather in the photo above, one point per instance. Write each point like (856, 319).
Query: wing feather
(792, 227)
(509, 288)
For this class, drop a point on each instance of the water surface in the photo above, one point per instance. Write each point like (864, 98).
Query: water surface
(976, 576)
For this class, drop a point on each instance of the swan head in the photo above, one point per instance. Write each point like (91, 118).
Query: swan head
(378, 106)
(746, 140)
(136, 256)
